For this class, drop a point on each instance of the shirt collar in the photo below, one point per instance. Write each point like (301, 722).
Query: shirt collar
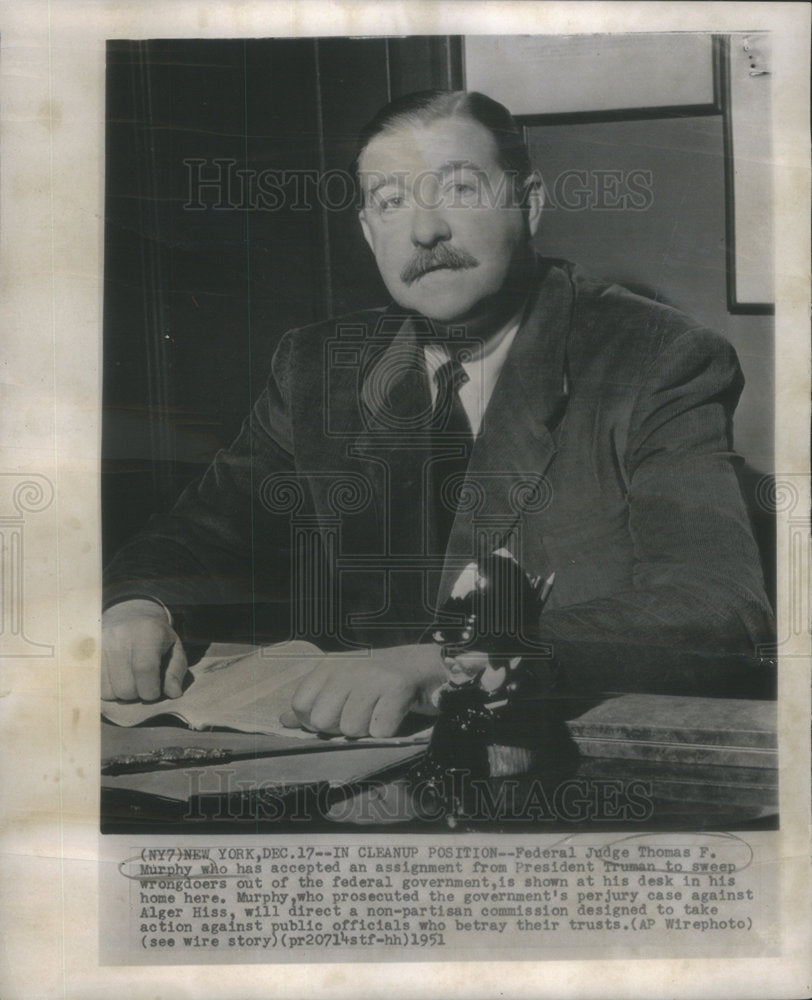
(482, 370)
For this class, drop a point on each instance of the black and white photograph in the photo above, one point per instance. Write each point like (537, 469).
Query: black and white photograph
(439, 410)
(418, 442)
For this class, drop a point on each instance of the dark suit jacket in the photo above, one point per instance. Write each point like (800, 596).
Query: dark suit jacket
(605, 455)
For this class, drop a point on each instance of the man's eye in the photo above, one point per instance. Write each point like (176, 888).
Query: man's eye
(459, 191)
(391, 202)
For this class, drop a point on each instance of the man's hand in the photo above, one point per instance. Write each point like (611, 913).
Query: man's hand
(136, 636)
(367, 696)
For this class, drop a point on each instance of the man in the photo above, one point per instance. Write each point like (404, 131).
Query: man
(583, 429)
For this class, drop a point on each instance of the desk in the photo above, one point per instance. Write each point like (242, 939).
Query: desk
(705, 763)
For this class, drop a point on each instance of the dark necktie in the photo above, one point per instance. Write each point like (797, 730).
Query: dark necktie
(452, 441)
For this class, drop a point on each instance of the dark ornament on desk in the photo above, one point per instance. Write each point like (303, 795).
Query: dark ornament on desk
(488, 708)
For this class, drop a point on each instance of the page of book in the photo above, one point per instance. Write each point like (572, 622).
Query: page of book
(247, 692)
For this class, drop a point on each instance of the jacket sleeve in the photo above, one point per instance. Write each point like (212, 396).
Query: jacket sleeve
(697, 613)
(220, 561)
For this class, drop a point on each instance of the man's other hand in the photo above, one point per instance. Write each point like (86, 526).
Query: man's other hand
(136, 636)
(367, 696)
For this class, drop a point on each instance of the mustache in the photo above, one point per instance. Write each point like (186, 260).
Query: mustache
(443, 255)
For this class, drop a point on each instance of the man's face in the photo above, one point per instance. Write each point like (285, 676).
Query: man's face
(442, 219)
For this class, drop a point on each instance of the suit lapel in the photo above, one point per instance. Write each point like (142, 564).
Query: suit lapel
(394, 442)
(383, 413)
(394, 448)
(377, 403)
(518, 439)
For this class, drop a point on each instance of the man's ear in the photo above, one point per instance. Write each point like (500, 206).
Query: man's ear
(534, 201)
(362, 218)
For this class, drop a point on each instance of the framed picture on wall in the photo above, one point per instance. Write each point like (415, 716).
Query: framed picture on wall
(746, 99)
(561, 81)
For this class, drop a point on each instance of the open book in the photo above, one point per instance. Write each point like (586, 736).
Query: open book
(247, 692)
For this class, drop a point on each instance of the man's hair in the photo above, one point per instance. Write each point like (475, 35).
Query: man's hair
(426, 106)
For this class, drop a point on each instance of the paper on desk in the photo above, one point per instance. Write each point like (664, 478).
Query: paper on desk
(247, 692)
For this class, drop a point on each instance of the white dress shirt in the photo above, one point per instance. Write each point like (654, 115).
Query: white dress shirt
(482, 371)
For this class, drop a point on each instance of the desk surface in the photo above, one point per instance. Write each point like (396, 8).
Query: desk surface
(704, 762)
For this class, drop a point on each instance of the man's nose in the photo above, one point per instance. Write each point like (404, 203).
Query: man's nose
(429, 225)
